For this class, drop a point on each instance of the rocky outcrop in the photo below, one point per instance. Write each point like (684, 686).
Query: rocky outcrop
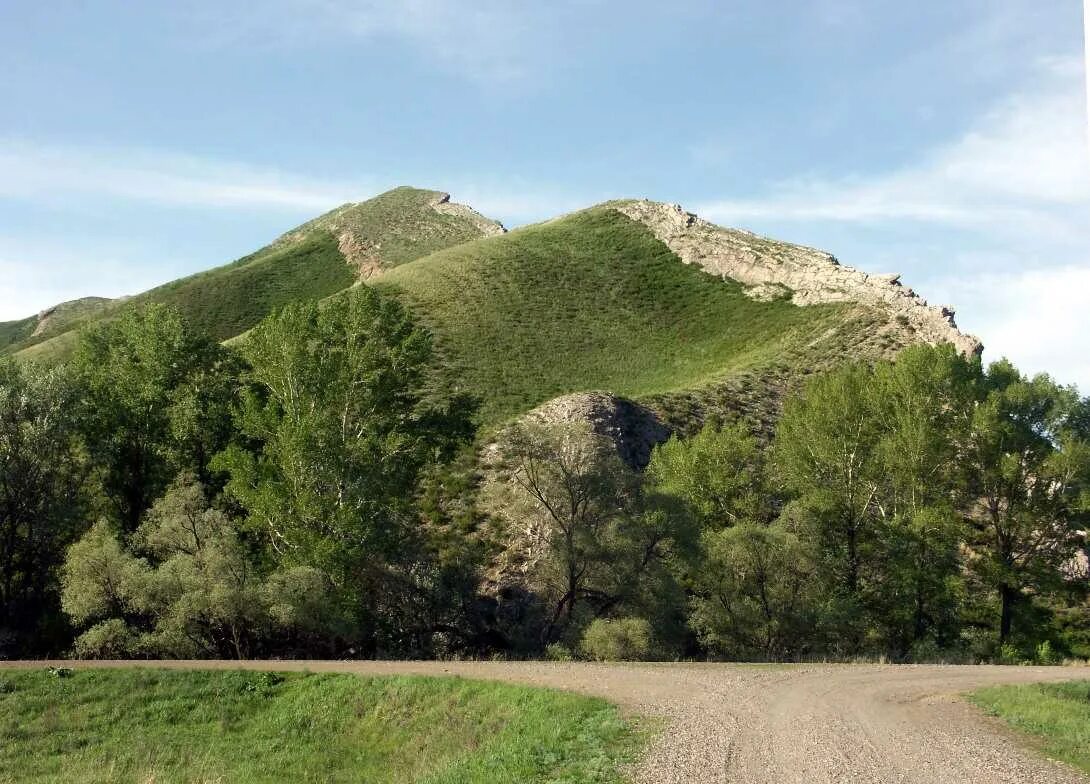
(634, 430)
(486, 226)
(771, 269)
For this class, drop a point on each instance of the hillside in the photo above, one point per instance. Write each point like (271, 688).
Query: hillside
(634, 298)
(596, 301)
(314, 261)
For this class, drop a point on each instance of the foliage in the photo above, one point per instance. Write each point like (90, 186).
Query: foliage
(618, 639)
(186, 586)
(600, 547)
(338, 421)
(1055, 715)
(42, 477)
(1027, 463)
(141, 725)
(754, 594)
(590, 301)
(869, 455)
(719, 473)
(157, 401)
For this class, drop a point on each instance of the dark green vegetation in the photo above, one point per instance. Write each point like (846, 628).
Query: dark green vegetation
(147, 725)
(591, 301)
(303, 265)
(1056, 716)
(354, 478)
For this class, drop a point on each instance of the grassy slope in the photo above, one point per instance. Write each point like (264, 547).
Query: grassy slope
(305, 264)
(1056, 716)
(176, 726)
(12, 332)
(591, 301)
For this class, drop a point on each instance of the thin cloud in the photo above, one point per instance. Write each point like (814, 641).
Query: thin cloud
(1023, 167)
(1037, 317)
(42, 173)
(487, 40)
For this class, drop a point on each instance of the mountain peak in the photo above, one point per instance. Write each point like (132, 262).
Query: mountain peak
(771, 269)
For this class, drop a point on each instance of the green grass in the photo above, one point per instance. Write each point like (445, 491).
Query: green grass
(590, 301)
(306, 264)
(14, 332)
(1055, 715)
(191, 726)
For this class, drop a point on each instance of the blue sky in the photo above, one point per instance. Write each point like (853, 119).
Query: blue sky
(943, 140)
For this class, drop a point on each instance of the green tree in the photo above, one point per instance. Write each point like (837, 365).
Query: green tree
(157, 401)
(600, 546)
(754, 593)
(719, 474)
(870, 456)
(42, 478)
(1027, 467)
(185, 584)
(338, 419)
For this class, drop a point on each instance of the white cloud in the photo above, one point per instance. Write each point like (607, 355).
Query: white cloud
(1037, 317)
(43, 173)
(1015, 187)
(1023, 167)
(486, 40)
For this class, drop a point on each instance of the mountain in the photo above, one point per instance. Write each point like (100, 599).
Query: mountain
(637, 299)
(649, 302)
(318, 259)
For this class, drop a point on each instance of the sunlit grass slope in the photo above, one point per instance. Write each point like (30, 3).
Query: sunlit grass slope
(175, 726)
(590, 301)
(305, 264)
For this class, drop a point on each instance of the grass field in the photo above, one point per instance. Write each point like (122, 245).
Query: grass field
(1055, 715)
(590, 301)
(191, 726)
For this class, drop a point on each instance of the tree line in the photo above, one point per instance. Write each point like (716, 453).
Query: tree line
(316, 492)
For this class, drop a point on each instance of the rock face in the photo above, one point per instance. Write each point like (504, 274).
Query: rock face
(633, 429)
(771, 269)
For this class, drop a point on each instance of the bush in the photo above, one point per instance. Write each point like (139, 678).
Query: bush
(558, 653)
(622, 639)
(1046, 654)
(112, 639)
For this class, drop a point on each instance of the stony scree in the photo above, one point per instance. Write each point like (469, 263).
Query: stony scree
(771, 269)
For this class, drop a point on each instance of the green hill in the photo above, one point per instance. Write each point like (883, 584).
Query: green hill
(314, 261)
(588, 301)
(595, 301)
(636, 298)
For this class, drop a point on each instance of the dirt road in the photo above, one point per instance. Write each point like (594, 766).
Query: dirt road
(819, 724)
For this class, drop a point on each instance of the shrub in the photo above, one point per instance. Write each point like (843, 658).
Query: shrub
(558, 653)
(621, 639)
(112, 639)
(1045, 654)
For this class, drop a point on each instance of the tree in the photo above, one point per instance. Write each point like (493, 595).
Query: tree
(157, 401)
(337, 420)
(1027, 468)
(185, 585)
(870, 456)
(754, 593)
(42, 477)
(601, 545)
(719, 474)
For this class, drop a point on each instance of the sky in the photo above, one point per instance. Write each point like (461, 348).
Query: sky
(945, 141)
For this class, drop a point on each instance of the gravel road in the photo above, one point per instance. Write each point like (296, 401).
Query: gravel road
(758, 724)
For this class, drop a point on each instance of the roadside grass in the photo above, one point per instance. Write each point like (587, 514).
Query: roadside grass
(145, 725)
(1055, 715)
(590, 301)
